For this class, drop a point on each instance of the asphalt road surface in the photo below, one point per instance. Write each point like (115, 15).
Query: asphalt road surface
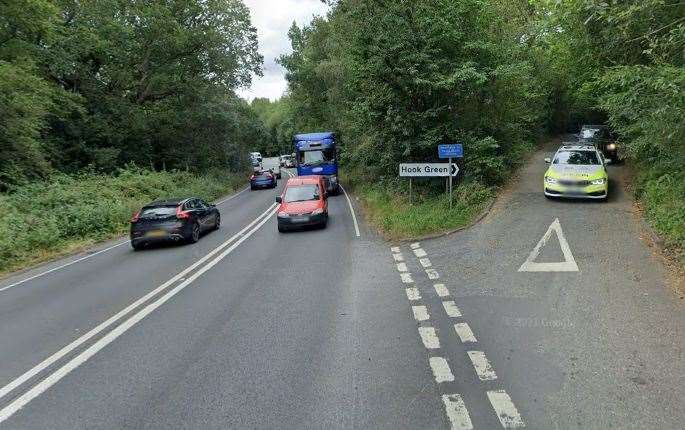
(335, 328)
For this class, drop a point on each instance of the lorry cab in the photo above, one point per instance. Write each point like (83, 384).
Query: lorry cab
(316, 154)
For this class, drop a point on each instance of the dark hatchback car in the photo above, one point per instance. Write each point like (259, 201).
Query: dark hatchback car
(262, 179)
(173, 220)
(601, 138)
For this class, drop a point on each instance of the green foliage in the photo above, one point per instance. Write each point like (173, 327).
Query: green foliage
(447, 71)
(391, 211)
(24, 104)
(105, 83)
(45, 217)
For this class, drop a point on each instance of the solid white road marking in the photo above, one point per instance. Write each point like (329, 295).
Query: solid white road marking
(85, 257)
(395, 249)
(451, 309)
(483, 367)
(413, 293)
(402, 267)
(354, 217)
(420, 253)
(569, 263)
(464, 332)
(432, 274)
(420, 313)
(415, 245)
(398, 257)
(106, 324)
(48, 382)
(425, 262)
(232, 197)
(406, 278)
(441, 290)
(441, 370)
(456, 412)
(429, 337)
(506, 411)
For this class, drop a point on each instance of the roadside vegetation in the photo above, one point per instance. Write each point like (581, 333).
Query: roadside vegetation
(397, 78)
(96, 86)
(49, 218)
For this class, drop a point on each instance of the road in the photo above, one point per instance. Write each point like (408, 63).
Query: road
(249, 328)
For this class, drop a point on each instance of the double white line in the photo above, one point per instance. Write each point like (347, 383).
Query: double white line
(223, 250)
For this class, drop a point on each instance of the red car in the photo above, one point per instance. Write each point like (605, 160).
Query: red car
(304, 202)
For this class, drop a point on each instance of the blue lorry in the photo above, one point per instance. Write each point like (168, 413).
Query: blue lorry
(316, 154)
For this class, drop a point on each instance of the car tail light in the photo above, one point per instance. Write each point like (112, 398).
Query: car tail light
(135, 217)
(269, 175)
(252, 178)
(181, 214)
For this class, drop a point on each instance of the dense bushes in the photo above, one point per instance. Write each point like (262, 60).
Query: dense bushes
(43, 218)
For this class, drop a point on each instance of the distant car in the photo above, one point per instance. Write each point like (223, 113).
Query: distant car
(601, 138)
(576, 171)
(255, 157)
(173, 220)
(276, 170)
(288, 161)
(262, 179)
(304, 202)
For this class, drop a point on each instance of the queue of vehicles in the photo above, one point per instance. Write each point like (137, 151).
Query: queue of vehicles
(303, 203)
(578, 169)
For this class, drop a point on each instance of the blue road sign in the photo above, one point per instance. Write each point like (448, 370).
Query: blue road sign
(454, 150)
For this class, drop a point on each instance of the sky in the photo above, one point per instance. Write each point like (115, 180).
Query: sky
(272, 19)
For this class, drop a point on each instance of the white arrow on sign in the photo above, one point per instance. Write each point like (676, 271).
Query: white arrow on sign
(428, 169)
(568, 265)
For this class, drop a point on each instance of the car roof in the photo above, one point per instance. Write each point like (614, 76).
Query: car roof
(304, 180)
(169, 202)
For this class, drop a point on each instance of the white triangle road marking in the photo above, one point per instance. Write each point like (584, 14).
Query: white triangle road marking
(568, 265)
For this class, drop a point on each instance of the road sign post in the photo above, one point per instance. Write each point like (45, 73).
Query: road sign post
(449, 151)
(412, 170)
(449, 160)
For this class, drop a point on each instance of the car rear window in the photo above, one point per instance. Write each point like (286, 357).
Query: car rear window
(156, 211)
(301, 193)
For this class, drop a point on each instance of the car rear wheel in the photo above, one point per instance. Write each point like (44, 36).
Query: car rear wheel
(194, 233)
(217, 222)
(137, 246)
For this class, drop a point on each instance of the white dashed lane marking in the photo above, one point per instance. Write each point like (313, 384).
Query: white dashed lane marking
(420, 313)
(425, 262)
(483, 367)
(441, 370)
(402, 267)
(456, 412)
(420, 253)
(506, 411)
(464, 332)
(432, 274)
(415, 245)
(395, 249)
(451, 309)
(406, 278)
(441, 290)
(398, 257)
(429, 337)
(413, 294)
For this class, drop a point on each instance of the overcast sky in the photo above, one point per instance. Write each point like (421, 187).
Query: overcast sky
(273, 18)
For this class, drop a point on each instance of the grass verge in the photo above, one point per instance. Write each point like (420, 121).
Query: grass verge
(44, 220)
(387, 207)
(662, 197)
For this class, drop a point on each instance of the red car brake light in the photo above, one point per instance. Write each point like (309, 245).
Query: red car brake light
(135, 217)
(181, 214)
(252, 177)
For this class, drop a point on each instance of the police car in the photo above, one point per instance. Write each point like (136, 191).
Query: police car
(576, 171)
